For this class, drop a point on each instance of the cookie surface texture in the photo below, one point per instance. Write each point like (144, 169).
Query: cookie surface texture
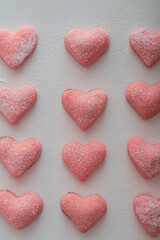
(15, 48)
(14, 104)
(19, 157)
(144, 99)
(147, 46)
(20, 211)
(84, 212)
(86, 47)
(84, 108)
(147, 210)
(83, 160)
(146, 157)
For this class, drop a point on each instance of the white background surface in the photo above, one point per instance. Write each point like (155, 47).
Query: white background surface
(51, 70)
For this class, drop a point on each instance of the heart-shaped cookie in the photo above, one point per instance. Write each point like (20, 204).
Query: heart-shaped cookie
(147, 210)
(14, 104)
(18, 157)
(20, 211)
(145, 157)
(83, 160)
(14, 48)
(86, 47)
(147, 46)
(144, 99)
(84, 212)
(84, 108)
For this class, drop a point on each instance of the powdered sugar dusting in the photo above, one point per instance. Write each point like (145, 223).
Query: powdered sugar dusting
(84, 108)
(144, 99)
(14, 104)
(147, 46)
(18, 157)
(20, 211)
(147, 210)
(87, 47)
(145, 157)
(14, 48)
(83, 212)
(83, 160)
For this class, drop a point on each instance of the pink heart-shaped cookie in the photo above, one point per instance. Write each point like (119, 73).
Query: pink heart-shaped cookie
(145, 157)
(144, 99)
(147, 210)
(14, 104)
(14, 48)
(86, 47)
(18, 157)
(84, 108)
(20, 211)
(82, 160)
(84, 212)
(147, 46)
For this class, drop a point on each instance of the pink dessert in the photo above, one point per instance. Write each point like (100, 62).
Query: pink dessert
(145, 157)
(20, 211)
(19, 157)
(83, 160)
(147, 46)
(14, 104)
(14, 48)
(86, 47)
(84, 212)
(147, 210)
(84, 108)
(144, 99)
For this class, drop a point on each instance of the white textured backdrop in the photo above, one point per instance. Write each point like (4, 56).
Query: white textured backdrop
(51, 70)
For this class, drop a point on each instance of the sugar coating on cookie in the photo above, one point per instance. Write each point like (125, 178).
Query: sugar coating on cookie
(14, 48)
(147, 46)
(84, 212)
(14, 104)
(144, 99)
(83, 160)
(19, 157)
(147, 210)
(145, 156)
(20, 211)
(86, 47)
(84, 108)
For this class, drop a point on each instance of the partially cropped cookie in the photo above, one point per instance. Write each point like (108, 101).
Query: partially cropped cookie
(84, 212)
(86, 47)
(147, 210)
(16, 47)
(20, 211)
(83, 160)
(146, 157)
(144, 99)
(147, 46)
(14, 104)
(84, 108)
(19, 157)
